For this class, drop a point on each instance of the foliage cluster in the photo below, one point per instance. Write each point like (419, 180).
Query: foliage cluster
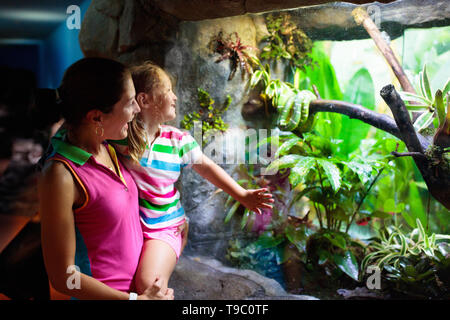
(209, 115)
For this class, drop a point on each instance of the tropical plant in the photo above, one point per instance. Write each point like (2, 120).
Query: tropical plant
(209, 115)
(432, 106)
(286, 41)
(415, 262)
(234, 50)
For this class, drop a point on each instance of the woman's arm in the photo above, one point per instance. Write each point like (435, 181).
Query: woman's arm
(253, 199)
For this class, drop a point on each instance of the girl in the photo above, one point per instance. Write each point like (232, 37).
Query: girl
(154, 153)
(88, 200)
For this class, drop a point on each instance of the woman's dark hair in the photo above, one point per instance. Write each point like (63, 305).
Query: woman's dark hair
(88, 84)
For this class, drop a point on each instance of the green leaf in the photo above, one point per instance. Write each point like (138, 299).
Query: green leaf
(245, 218)
(426, 83)
(422, 233)
(424, 120)
(332, 173)
(336, 239)
(380, 214)
(231, 211)
(387, 258)
(297, 78)
(287, 161)
(408, 96)
(363, 170)
(417, 208)
(297, 236)
(361, 91)
(446, 88)
(256, 77)
(268, 241)
(300, 170)
(440, 107)
(348, 264)
(324, 256)
(286, 146)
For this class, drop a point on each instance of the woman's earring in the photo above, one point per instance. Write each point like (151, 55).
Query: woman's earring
(102, 132)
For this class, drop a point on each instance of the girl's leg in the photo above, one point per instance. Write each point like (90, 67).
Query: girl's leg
(157, 261)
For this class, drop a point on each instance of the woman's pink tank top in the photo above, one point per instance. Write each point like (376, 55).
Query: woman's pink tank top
(109, 236)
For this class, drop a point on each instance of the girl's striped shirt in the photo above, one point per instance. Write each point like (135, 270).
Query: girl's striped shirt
(157, 172)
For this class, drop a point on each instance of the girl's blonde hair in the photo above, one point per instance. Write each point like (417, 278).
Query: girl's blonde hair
(146, 77)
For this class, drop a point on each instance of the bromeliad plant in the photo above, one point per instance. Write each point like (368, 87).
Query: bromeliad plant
(415, 263)
(433, 108)
(234, 50)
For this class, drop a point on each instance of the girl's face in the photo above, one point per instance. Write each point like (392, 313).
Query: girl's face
(163, 100)
(115, 123)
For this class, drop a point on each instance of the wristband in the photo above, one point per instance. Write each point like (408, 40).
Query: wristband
(133, 296)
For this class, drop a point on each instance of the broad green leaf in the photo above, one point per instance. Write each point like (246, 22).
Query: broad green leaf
(361, 169)
(381, 214)
(287, 161)
(286, 146)
(417, 208)
(323, 76)
(336, 239)
(360, 91)
(332, 173)
(390, 206)
(348, 264)
(324, 256)
(268, 241)
(300, 170)
(297, 236)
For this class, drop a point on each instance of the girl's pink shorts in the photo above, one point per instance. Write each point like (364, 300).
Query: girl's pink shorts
(168, 235)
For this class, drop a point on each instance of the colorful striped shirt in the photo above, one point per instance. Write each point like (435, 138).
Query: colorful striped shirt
(157, 172)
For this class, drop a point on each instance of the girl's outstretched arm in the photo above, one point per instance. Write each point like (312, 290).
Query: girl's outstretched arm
(252, 199)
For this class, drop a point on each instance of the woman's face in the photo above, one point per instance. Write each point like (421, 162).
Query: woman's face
(115, 123)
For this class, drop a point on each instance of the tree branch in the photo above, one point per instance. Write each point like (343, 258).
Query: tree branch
(355, 111)
(402, 119)
(408, 154)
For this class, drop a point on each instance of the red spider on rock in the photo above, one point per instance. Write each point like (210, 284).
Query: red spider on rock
(233, 50)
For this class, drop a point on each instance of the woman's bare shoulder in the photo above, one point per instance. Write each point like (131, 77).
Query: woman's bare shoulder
(57, 174)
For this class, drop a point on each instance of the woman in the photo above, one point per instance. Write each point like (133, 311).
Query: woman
(88, 200)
